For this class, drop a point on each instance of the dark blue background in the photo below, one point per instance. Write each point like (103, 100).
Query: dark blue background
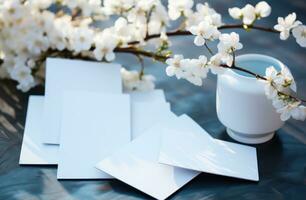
(282, 161)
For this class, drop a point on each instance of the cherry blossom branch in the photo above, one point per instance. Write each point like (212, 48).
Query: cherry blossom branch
(135, 51)
(227, 26)
(208, 49)
(139, 53)
(234, 67)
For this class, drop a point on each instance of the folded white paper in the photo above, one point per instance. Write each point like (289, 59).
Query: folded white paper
(63, 75)
(33, 151)
(193, 149)
(137, 165)
(93, 126)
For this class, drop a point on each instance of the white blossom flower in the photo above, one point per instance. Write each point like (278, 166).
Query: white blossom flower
(174, 66)
(214, 19)
(59, 32)
(118, 6)
(137, 15)
(278, 81)
(287, 79)
(23, 76)
(249, 13)
(204, 13)
(214, 64)
(40, 4)
(271, 76)
(262, 9)
(139, 32)
(195, 70)
(300, 35)
(81, 39)
(294, 110)
(122, 30)
(12, 11)
(178, 7)
(229, 42)
(204, 31)
(277, 89)
(285, 25)
(205, 9)
(227, 45)
(159, 20)
(105, 44)
(89, 7)
(235, 13)
(132, 81)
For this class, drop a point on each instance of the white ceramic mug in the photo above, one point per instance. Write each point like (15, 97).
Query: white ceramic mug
(242, 105)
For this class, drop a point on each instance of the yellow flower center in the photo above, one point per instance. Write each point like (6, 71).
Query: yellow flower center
(303, 34)
(22, 74)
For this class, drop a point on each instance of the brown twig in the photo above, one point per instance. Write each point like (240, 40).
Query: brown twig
(234, 67)
(228, 26)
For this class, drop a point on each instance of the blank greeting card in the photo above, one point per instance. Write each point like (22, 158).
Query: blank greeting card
(93, 126)
(193, 149)
(63, 75)
(137, 165)
(33, 151)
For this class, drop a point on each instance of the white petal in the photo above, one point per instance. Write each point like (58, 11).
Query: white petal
(284, 35)
(193, 30)
(298, 113)
(301, 42)
(110, 56)
(285, 115)
(249, 14)
(98, 54)
(290, 18)
(203, 59)
(169, 61)
(235, 12)
(174, 14)
(263, 9)
(170, 71)
(249, 19)
(278, 27)
(199, 41)
(278, 104)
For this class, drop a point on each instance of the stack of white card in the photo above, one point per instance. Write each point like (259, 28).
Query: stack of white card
(91, 130)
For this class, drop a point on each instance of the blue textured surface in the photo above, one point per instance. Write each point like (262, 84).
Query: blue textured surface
(282, 161)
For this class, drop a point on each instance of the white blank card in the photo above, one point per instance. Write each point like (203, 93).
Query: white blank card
(137, 164)
(64, 75)
(194, 149)
(93, 127)
(33, 151)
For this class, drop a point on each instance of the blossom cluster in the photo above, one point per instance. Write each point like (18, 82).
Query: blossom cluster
(32, 30)
(278, 84)
(29, 31)
(249, 13)
(194, 70)
(277, 87)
